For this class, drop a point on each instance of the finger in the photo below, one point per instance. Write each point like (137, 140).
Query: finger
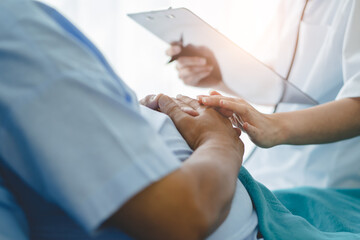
(168, 106)
(150, 101)
(144, 101)
(186, 108)
(215, 100)
(214, 93)
(217, 95)
(173, 50)
(190, 62)
(225, 112)
(190, 111)
(250, 130)
(189, 101)
(200, 97)
(238, 131)
(238, 108)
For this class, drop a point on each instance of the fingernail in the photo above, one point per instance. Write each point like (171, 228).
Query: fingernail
(153, 97)
(204, 99)
(179, 96)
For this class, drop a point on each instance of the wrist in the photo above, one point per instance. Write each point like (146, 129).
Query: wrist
(281, 129)
(231, 149)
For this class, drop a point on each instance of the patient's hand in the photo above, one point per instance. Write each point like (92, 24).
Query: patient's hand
(152, 102)
(208, 125)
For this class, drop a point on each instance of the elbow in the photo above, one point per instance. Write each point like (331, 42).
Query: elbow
(190, 232)
(194, 220)
(195, 216)
(173, 208)
(200, 226)
(200, 213)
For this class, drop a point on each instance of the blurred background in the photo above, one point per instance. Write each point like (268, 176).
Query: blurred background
(139, 57)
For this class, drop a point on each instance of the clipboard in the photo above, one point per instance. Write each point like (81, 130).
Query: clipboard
(246, 75)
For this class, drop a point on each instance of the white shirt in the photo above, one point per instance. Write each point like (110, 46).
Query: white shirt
(326, 67)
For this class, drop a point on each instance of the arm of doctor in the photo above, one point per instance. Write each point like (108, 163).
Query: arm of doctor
(325, 123)
(193, 200)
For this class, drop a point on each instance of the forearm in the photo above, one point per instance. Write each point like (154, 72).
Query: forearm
(214, 167)
(188, 203)
(325, 123)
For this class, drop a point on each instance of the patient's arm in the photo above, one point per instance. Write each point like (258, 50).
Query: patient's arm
(193, 200)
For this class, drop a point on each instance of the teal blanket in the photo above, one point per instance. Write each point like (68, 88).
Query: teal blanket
(305, 213)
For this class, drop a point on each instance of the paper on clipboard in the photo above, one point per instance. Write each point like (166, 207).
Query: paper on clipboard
(246, 75)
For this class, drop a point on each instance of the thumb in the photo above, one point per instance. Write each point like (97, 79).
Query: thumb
(252, 131)
(150, 101)
(173, 50)
(214, 93)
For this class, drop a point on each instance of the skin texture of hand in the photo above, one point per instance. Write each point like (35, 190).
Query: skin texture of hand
(207, 125)
(262, 129)
(152, 102)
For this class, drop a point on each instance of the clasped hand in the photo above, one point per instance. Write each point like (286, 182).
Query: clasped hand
(263, 129)
(196, 123)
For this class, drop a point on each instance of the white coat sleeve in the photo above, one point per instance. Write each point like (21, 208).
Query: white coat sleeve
(351, 55)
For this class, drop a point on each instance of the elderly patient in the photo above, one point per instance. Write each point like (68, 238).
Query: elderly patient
(82, 160)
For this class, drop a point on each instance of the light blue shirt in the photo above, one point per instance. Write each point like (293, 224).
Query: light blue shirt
(73, 143)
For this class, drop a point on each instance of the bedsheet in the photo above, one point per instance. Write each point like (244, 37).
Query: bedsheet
(306, 212)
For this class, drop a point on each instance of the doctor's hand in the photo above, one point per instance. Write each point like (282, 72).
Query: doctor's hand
(208, 126)
(263, 129)
(196, 66)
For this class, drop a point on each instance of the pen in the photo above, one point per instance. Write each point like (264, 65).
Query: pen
(180, 44)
